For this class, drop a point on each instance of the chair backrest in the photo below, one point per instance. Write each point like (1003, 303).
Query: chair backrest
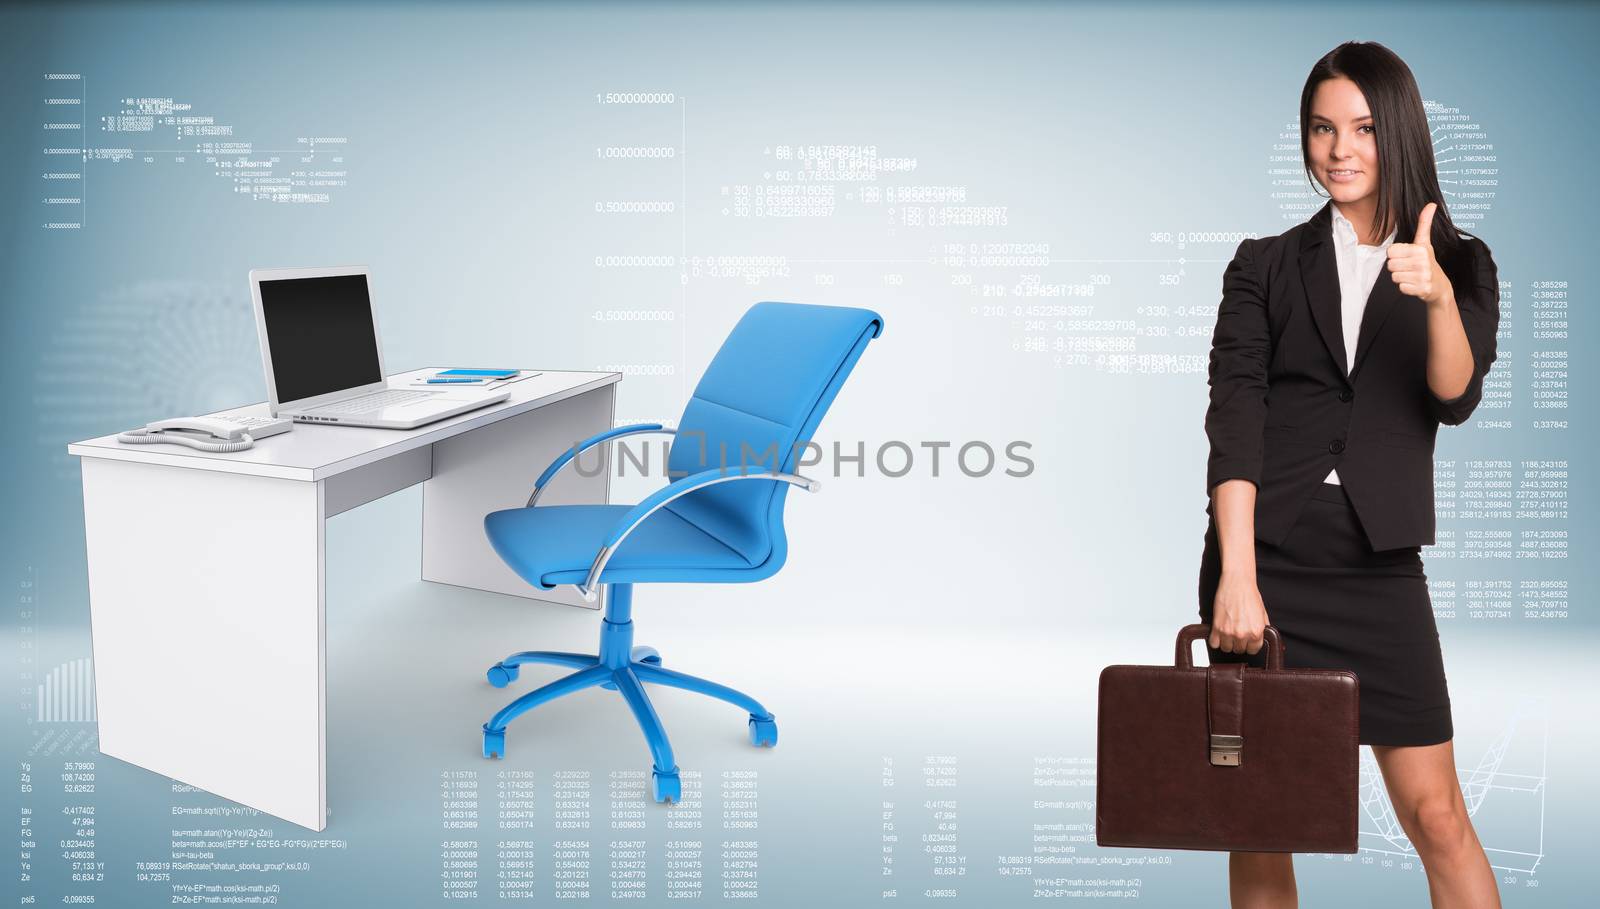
(758, 403)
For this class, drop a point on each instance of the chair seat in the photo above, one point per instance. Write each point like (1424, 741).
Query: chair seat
(556, 544)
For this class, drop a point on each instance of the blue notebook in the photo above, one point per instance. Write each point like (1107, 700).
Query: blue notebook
(478, 374)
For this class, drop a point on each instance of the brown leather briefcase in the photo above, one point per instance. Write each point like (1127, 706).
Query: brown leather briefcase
(1227, 757)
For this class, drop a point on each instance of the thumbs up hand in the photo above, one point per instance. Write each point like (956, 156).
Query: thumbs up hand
(1413, 266)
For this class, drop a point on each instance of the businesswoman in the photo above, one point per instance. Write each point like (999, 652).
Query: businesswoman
(1340, 346)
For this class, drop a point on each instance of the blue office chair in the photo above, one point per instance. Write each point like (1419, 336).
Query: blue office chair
(736, 450)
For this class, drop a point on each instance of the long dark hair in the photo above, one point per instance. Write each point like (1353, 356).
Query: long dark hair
(1408, 178)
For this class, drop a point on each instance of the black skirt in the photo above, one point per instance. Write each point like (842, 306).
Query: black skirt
(1340, 605)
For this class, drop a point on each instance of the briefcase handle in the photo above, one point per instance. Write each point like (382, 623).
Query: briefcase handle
(1186, 637)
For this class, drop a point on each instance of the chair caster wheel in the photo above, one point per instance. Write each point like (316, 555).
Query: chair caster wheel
(494, 742)
(667, 785)
(763, 732)
(500, 675)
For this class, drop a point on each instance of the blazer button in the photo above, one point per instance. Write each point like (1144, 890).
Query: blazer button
(1346, 396)
(1336, 446)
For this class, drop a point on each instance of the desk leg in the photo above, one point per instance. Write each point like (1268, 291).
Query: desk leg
(492, 468)
(206, 602)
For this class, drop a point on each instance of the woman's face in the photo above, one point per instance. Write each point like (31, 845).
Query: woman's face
(1341, 143)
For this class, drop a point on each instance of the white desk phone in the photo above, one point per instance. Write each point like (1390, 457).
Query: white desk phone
(208, 433)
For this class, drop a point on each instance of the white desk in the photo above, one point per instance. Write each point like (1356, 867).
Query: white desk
(206, 573)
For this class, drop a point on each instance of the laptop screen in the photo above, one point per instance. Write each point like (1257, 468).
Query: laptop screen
(319, 335)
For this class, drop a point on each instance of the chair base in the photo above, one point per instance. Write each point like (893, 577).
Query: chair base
(622, 667)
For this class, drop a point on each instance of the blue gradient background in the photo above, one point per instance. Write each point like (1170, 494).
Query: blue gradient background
(917, 616)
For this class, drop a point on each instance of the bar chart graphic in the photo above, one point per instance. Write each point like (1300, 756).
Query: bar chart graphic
(66, 695)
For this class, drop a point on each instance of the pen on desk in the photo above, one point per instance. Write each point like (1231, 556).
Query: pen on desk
(455, 382)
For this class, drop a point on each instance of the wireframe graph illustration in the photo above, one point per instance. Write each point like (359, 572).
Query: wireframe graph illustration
(1507, 807)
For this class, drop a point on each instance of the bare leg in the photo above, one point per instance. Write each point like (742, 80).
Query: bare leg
(1261, 880)
(1427, 800)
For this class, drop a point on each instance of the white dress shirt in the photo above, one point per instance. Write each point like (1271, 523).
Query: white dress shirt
(1359, 268)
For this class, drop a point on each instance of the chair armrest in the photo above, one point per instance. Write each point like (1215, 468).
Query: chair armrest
(655, 501)
(578, 449)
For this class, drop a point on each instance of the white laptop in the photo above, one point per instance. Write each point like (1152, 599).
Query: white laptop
(319, 344)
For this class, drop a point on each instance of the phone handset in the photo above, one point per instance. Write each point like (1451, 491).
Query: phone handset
(207, 433)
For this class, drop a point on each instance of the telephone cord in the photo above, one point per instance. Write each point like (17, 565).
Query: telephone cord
(146, 437)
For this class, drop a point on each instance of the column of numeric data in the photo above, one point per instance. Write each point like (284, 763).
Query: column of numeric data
(459, 817)
(1542, 491)
(1504, 533)
(888, 834)
(741, 818)
(1549, 335)
(70, 829)
(78, 833)
(941, 841)
(572, 808)
(685, 845)
(627, 869)
(516, 859)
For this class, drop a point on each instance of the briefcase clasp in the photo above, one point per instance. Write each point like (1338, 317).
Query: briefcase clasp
(1227, 750)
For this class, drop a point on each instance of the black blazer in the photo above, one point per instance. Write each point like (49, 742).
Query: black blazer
(1283, 412)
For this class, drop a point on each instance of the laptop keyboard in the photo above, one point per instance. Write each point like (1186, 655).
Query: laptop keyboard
(368, 404)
